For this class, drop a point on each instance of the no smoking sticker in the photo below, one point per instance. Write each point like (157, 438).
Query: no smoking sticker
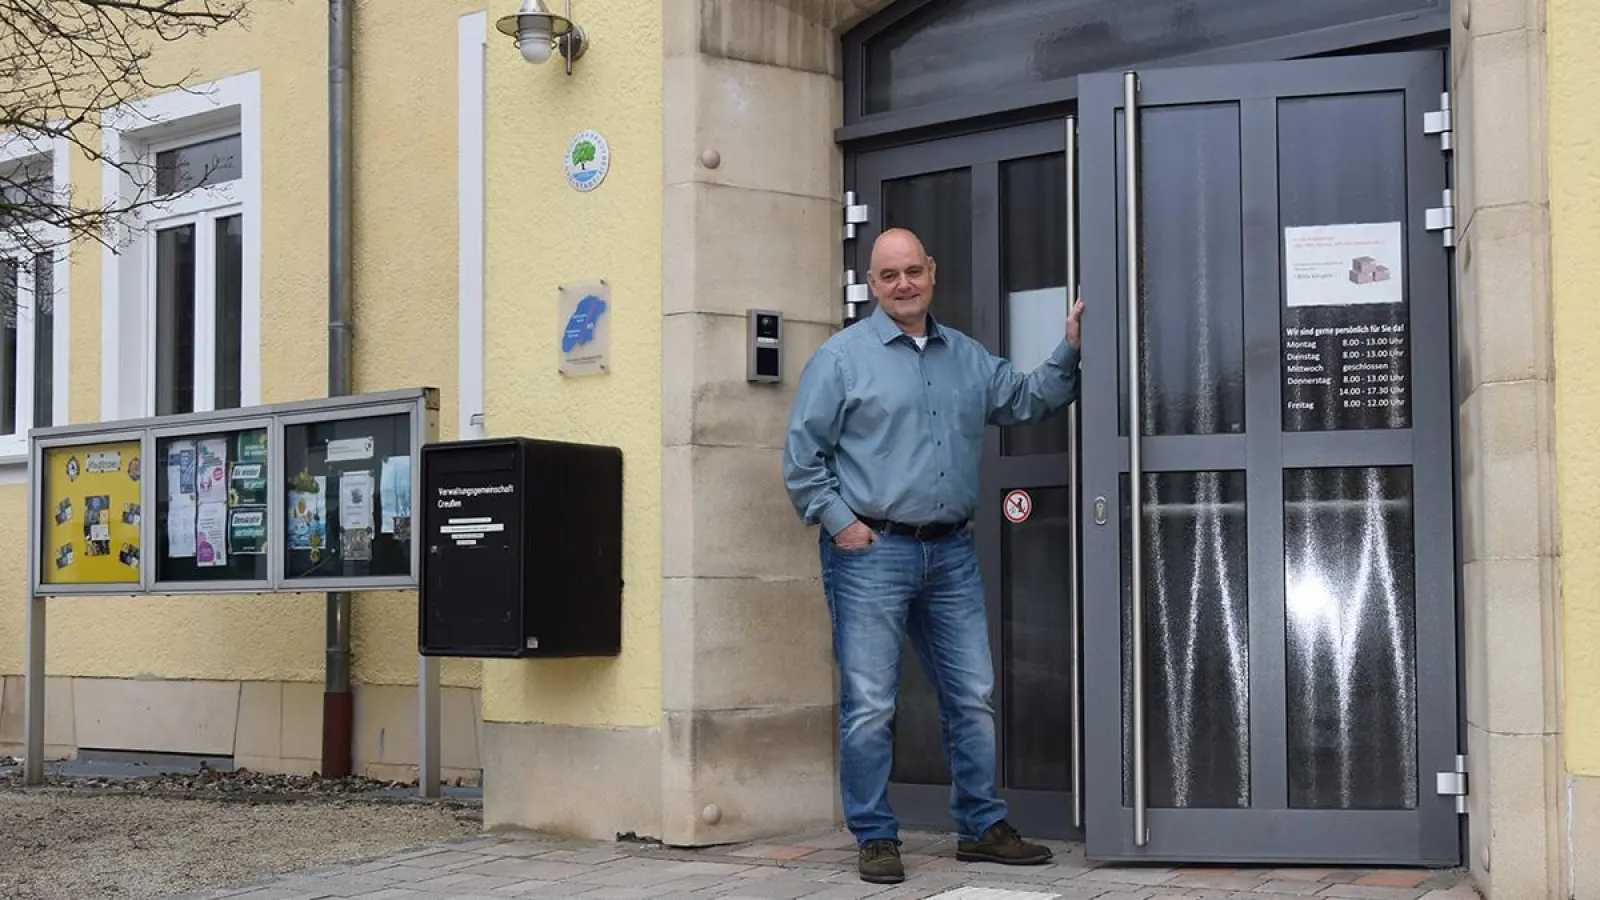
(1018, 507)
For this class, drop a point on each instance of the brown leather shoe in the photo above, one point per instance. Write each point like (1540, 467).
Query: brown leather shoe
(1001, 844)
(880, 862)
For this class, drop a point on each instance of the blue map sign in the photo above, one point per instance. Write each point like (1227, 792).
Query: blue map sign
(582, 322)
(585, 330)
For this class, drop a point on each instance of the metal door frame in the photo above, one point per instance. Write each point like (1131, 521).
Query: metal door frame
(1268, 832)
(1040, 813)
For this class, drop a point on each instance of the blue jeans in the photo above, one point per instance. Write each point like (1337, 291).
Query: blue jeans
(931, 592)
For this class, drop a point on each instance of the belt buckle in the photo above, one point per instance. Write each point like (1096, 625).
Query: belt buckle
(922, 531)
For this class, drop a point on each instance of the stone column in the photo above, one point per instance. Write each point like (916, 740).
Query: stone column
(1509, 542)
(751, 220)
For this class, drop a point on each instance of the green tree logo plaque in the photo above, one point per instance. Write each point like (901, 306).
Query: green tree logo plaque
(588, 160)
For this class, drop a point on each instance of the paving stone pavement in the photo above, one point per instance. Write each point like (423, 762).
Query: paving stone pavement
(815, 867)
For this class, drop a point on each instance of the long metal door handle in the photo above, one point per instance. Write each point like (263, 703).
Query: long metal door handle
(1075, 555)
(1130, 150)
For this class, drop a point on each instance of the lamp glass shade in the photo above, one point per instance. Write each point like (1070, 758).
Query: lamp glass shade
(534, 39)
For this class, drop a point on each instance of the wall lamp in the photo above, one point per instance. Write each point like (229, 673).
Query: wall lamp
(538, 32)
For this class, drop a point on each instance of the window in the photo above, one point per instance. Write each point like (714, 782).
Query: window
(30, 303)
(197, 276)
(946, 49)
(185, 298)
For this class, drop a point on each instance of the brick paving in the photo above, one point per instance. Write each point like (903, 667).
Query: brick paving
(815, 867)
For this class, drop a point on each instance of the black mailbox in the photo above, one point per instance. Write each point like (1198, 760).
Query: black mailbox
(522, 549)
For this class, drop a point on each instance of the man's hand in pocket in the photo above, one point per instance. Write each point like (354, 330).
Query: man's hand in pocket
(855, 536)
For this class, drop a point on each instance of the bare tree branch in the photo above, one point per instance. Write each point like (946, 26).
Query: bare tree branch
(64, 65)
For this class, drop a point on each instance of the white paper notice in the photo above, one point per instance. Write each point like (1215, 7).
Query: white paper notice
(1036, 323)
(355, 501)
(211, 471)
(350, 449)
(180, 526)
(1344, 265)
(211, 535)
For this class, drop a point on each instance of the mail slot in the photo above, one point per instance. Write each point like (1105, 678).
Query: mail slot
(522, 553)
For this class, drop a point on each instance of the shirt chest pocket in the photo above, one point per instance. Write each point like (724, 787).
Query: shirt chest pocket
(964, 409)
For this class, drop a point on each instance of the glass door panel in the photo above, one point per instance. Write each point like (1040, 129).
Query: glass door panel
(1196, 640)
(1350, 557)
(1191, 242)
(1034, 283)
(1036, 722)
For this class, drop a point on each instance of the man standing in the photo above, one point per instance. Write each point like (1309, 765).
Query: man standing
(883, 451)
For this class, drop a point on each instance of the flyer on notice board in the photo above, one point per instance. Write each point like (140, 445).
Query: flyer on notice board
(308, 515)
(211, 535)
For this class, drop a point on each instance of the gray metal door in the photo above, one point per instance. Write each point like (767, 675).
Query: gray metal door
(1270, 646)
(992, 208)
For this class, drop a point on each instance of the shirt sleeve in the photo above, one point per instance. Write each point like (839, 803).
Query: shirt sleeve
(813, 436)
(1017, 398)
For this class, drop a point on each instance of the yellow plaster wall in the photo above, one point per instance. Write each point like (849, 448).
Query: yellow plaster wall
(541, 234)
(1574, 96)
(405, 335)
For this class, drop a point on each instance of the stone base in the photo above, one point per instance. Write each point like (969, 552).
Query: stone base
(573, 782)
(739, 775)
(1583, 830)
(265, 726)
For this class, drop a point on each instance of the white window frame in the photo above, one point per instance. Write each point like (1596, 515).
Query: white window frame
(135, 134)
(14, 447)
(202, 208)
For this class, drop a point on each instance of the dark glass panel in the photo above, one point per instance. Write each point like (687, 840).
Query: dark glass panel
(962, 48)
(175, 315)
(1196, 640)
(1192, 271)
(44, 340)
(348, 504)
(1037, 576)
(10, 297)
(937, 207)
(1350, 612)
(1346, 319)
(28, 193)
(229, 310)
(211, 507)
(200, 164)
(1033, 241)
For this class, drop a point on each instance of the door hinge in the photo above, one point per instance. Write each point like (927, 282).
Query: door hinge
(854, 295)
(1440, 122)
(1443, 218)
(854, 214)
(1454, 784)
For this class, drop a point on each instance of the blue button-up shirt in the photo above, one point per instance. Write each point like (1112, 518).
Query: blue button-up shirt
(883, 430)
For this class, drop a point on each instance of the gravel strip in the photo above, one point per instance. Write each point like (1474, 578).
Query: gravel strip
(172, 835)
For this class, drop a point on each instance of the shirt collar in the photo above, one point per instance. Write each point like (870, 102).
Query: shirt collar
(886, 329)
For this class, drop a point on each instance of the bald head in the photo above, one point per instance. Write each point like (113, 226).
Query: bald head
(897, 242)
(901, 276)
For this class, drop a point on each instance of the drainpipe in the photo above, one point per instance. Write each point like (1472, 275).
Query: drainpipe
(337, 706)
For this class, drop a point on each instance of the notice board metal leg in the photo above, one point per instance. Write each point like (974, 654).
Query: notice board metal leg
(33, 724)
(428, 722)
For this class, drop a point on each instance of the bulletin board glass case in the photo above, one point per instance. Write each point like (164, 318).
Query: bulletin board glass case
(89, 511)
(347, 498)
(308, 496)
(211, 505)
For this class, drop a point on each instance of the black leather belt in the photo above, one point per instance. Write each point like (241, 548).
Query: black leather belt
(931, 532)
